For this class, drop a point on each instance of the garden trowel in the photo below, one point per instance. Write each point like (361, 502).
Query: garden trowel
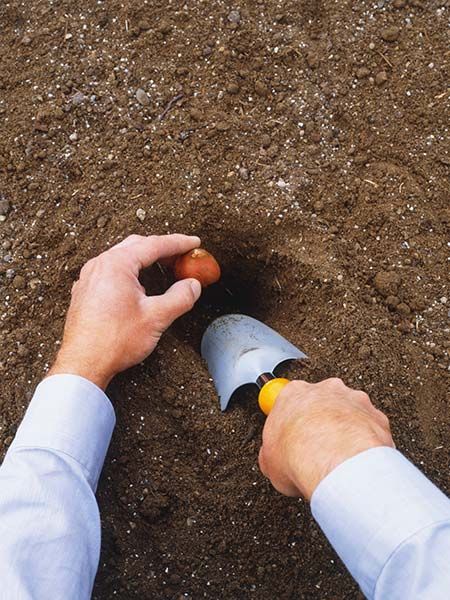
(241, 350)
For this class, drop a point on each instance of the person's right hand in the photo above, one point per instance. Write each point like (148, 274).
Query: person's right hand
(315, 427)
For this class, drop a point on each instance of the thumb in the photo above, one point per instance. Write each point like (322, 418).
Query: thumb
(178, 299)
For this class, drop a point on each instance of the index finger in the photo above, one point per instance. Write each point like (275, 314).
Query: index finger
(145, 250)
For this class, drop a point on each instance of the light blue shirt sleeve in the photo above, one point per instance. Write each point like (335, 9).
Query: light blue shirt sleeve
(387, 521)
(49, 519)
(389, 524)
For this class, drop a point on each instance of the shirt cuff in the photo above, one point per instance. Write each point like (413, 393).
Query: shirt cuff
(72, 415)
(370, 504)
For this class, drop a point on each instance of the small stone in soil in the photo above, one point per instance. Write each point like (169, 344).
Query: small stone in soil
(234, 16)
(101, 221)
(140, 214)
(142, 97)
(78, 98)
(243, 173)
(390, 34)
(73, 137)
(4, 206)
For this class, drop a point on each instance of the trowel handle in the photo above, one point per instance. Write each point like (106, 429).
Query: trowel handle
(269, 393)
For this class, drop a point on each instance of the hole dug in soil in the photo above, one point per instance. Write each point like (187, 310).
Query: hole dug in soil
(248, 286)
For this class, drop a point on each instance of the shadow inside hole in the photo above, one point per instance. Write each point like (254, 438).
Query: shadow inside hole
(247, 286)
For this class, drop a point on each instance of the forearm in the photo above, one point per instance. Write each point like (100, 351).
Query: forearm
(49, 521)
(389, 524)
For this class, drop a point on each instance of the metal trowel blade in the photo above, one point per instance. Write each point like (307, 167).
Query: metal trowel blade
(238, 349)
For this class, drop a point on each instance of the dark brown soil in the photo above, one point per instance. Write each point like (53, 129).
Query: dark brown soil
(307, 142)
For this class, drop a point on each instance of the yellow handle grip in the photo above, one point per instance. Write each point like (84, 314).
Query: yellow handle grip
(269, 393)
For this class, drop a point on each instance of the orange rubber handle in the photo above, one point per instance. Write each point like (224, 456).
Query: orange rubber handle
(269, 393)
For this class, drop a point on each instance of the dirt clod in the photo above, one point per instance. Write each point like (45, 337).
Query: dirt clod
(390, 34)
(362, 72)
(387, 283)
(313, 60)
(403, 309)
(261, 89)
(392, 301)
(233, 88)
(364, 352)
(19, 282)
(381, 77)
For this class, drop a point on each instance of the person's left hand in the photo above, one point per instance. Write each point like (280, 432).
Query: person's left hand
(111, 324)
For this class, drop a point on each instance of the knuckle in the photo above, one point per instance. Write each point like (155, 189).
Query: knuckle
(87, 267)
(297, 386)
(152, 239)
(363, 397)
(262, 461)
(335, 383)
(383, 418)
(267, 436)
(134, 237)
(265, 461)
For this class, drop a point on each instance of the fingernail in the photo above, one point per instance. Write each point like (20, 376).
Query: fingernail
(196, 288)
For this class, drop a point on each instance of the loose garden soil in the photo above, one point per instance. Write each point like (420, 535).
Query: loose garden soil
(307, 143)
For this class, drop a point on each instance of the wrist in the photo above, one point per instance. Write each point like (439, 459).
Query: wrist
(320, 469)
(67, 363)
